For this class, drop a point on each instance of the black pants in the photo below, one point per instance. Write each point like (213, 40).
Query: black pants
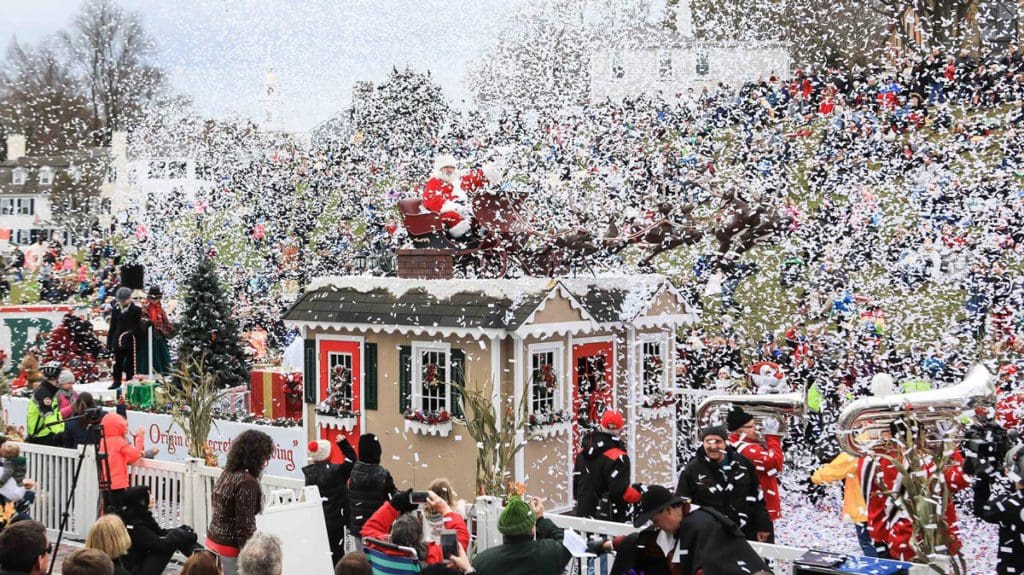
(124, 361)
(336, 536)
(53, 440)
(156, 562)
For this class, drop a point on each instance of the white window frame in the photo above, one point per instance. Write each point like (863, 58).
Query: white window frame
(557, 349)
(46, 176)
(665, 71)
(24, 206)
(19, 176)
(618, 65)
(7, 207)
(418, 349)
(703, 66)
(22, 237)
(665, 341)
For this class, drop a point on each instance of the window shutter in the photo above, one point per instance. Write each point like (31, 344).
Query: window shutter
(458, 359)
(309, 385)
(404, 378)
(370, 374)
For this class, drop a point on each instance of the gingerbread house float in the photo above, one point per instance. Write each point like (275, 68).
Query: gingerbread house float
(381, 354)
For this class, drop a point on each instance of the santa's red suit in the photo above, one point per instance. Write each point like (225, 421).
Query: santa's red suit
(441, 196)
(768, 461)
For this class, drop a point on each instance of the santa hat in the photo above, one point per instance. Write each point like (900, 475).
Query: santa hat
(319, 450)
(444, 161)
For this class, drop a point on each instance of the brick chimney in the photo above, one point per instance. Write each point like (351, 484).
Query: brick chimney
(15, 146)
(426, 264)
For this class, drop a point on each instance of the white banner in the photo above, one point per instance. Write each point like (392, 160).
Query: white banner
(289, 442)
(19, 327)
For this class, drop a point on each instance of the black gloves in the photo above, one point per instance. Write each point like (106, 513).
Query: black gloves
(402, 501)
(596, 546)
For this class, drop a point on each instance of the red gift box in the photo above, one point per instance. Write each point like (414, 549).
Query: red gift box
(276, 393)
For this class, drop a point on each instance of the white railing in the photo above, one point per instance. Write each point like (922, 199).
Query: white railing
(486, 510)
(182, 491)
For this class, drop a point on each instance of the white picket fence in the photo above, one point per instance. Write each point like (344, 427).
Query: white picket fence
(182, 491)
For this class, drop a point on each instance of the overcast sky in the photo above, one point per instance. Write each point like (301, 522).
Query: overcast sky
(219, 51)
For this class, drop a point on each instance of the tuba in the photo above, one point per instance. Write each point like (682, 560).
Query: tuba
(777, 405)
(938, 410)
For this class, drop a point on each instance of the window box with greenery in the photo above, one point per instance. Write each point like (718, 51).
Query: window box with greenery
(548, 424)
(656, 401)
(421, 422)
(335, 411)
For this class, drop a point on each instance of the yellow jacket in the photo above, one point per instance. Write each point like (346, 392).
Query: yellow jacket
(844, 467)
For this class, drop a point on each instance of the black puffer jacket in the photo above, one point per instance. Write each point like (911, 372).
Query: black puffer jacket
(733, 491)
(369, 486)
(601, 479)
(332, 480)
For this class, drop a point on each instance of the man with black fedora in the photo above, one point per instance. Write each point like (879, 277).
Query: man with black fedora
(720, 478)
(682, 540)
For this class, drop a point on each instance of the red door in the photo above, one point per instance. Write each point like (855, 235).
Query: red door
(342, 361)
(593, 368)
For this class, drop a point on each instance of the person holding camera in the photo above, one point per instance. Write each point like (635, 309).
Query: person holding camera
(85, 414)
(1007, 511)
(395, 522)
(43, 423)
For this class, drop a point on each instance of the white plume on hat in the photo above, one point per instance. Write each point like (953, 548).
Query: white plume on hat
(319, 450)
(882, 385)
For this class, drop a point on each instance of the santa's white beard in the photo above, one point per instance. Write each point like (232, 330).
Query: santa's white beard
(447, 179)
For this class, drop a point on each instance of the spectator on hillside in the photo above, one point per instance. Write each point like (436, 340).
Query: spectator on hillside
(24, 549)
(369, 487)
(237, 497)
(87, 562)
(531, 543)
(261, 556)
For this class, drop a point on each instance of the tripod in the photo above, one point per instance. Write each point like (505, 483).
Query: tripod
(95, 432)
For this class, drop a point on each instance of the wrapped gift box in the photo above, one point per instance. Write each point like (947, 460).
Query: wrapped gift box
(268, 397)
(143, 394)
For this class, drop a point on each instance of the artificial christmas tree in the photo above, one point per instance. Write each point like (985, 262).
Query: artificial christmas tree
(207, 329)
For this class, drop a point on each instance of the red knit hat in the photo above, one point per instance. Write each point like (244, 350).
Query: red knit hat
(612, 421)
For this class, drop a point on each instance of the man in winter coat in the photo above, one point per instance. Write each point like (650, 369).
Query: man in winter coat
(1007, 511)
(683, 540)
(124, 335)
(764, 452)
(332, 480)
(531, 543)
(601, 474)
(369, 485)
(720, 478)
(120, 454)
(43, 424)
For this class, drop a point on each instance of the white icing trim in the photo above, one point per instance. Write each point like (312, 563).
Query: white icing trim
(664, 320)
(332, 422)
(546, 330)
(550, 431)
(563, 291)
(651, 413)
(419, 330)
(442, 429)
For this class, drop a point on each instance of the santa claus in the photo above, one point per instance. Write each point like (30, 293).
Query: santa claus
(768, 378)
(441, 196)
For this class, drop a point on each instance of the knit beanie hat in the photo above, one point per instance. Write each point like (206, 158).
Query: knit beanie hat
(714, 430)
(369, 448)
(737, 418)
(319, 450)
(612, 422)
(517, 518)
(66, 377)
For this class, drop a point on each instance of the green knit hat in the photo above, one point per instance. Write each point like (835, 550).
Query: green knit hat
(517, 518)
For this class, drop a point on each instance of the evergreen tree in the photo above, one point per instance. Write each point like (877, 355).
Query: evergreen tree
(207, 327)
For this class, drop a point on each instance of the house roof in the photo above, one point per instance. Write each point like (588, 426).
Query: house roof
(90, 158)
(498, 304)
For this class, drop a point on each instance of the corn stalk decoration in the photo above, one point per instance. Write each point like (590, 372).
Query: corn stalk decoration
(495, 440)
(193, 393)
(924, 496)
